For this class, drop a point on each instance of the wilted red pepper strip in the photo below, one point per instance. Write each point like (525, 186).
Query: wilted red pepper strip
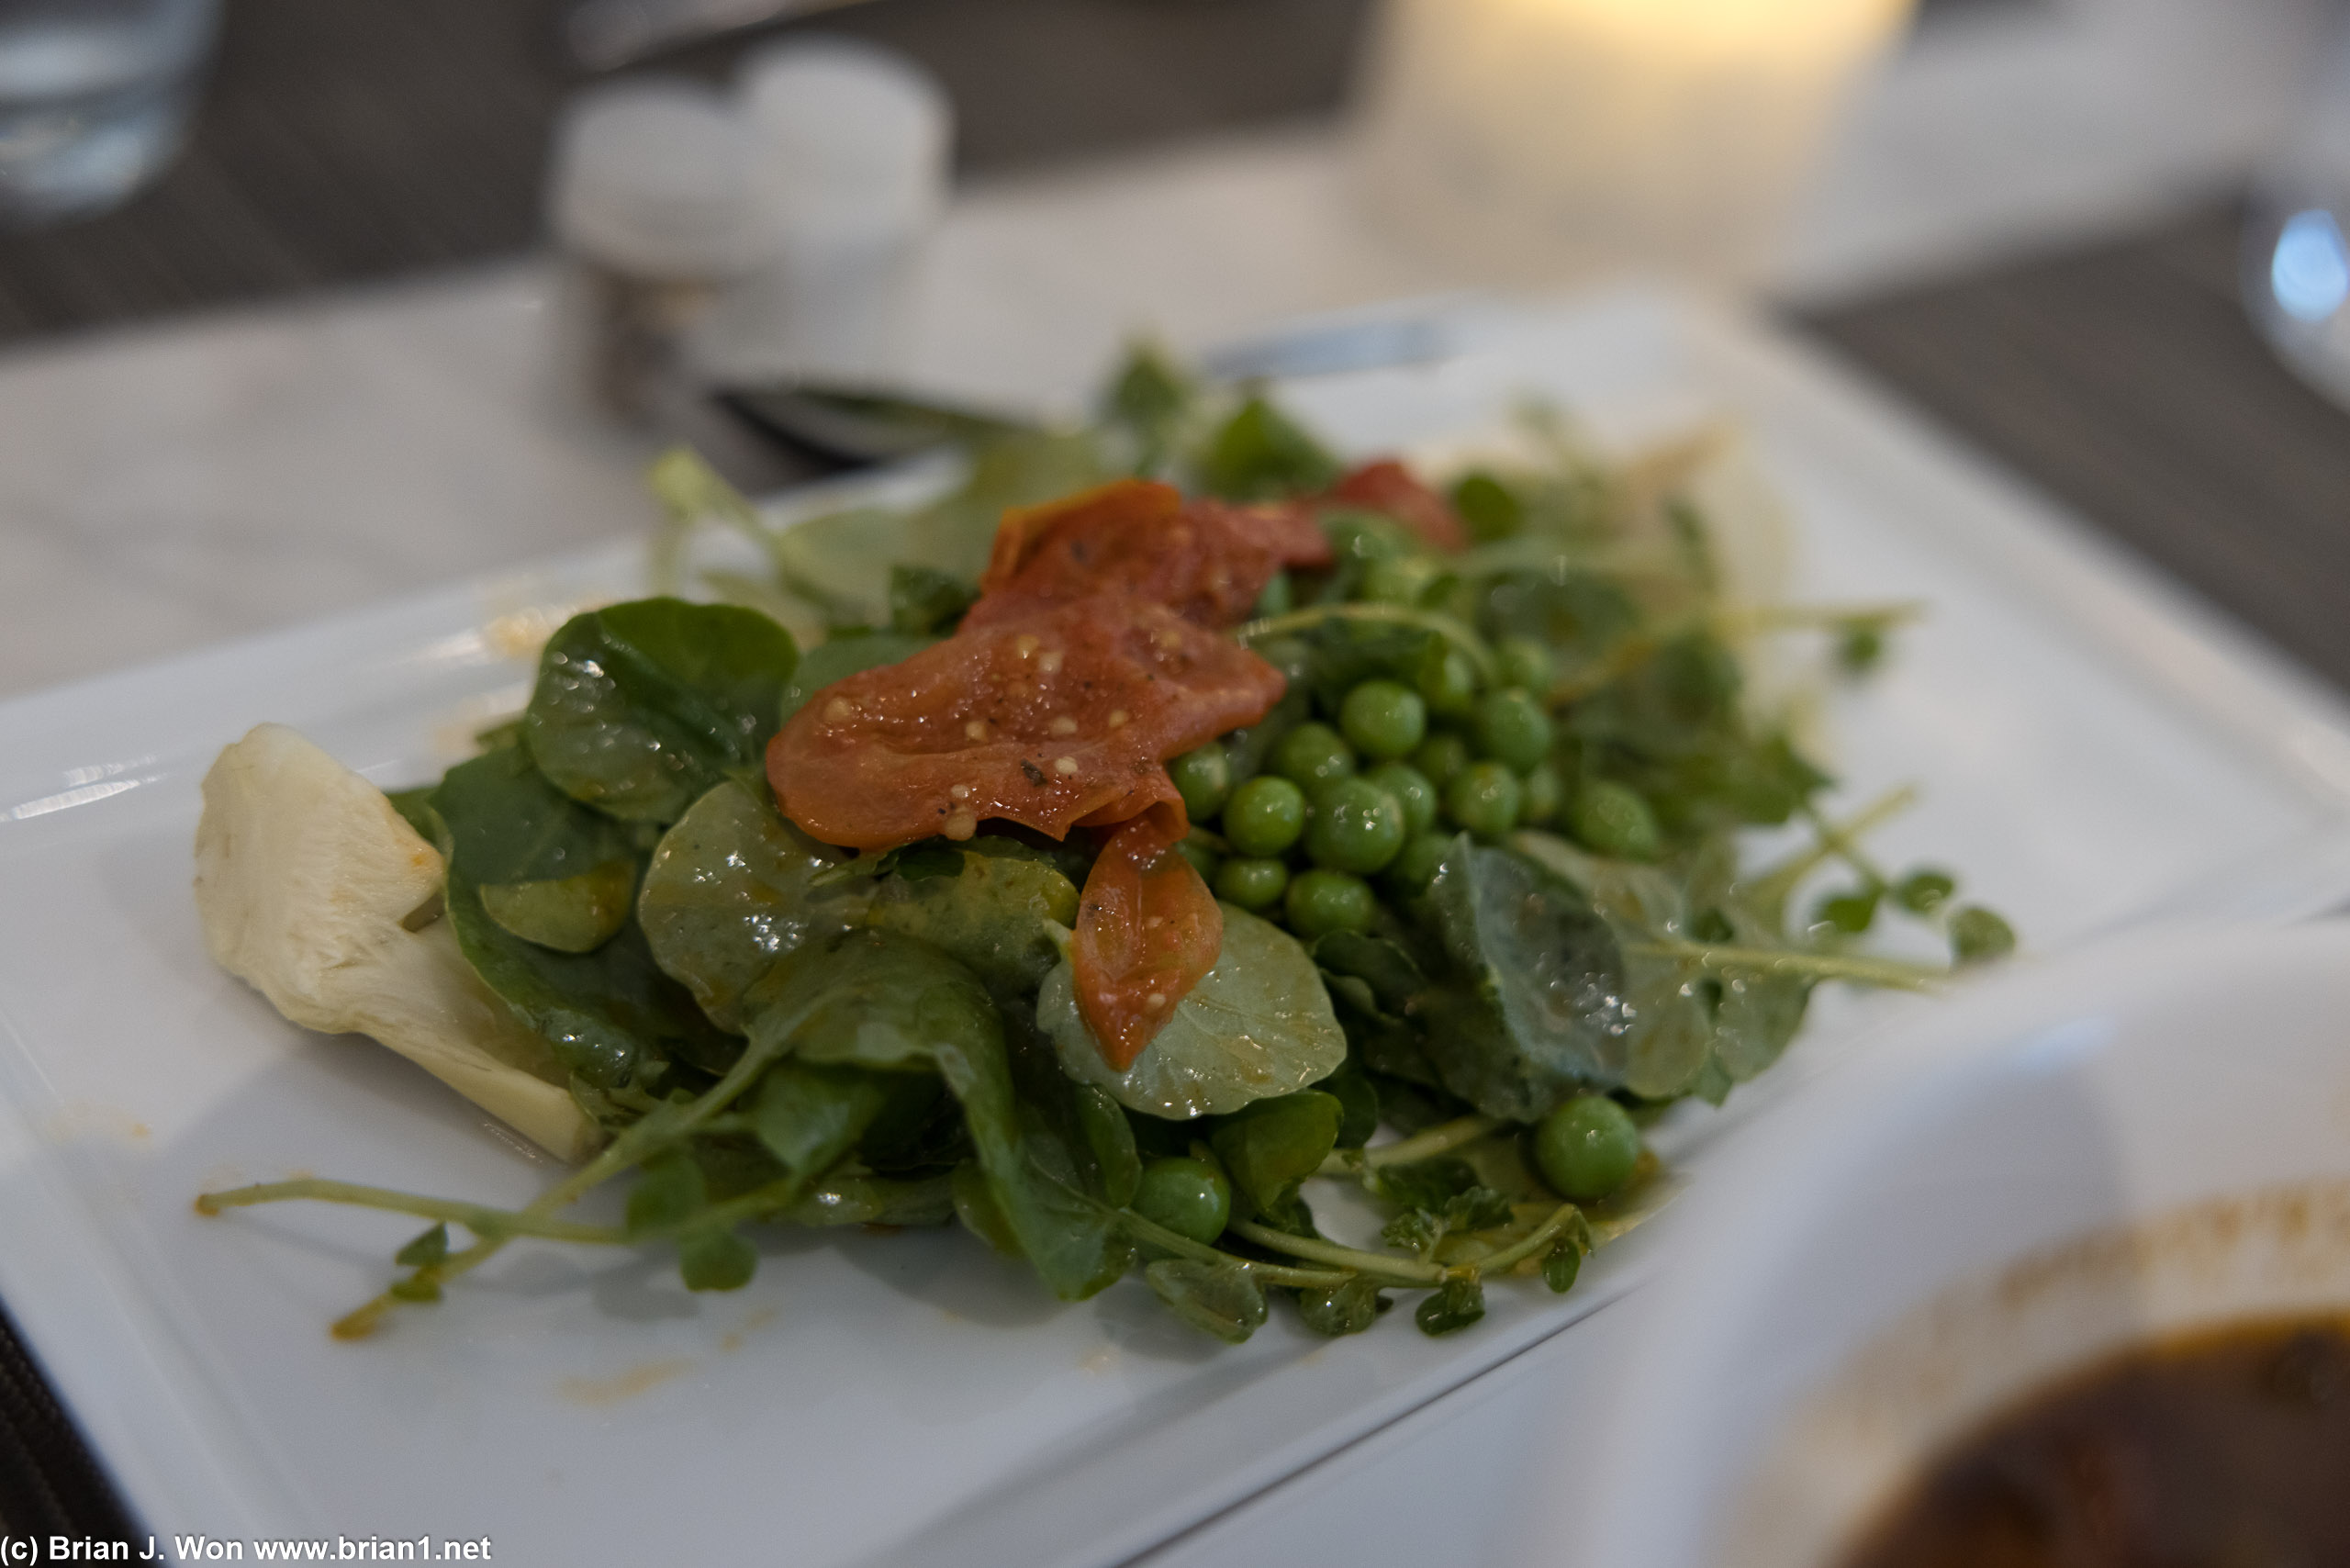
(1389, 488)
(1204, 559)
(1147, 931)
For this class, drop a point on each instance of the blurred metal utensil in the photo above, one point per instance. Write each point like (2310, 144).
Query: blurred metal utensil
(2296, 258)
(604, 35)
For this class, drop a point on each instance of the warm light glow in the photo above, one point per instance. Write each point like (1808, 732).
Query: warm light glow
(1749, 29)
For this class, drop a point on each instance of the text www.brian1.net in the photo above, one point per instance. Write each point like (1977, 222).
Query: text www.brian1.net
(16, 1549)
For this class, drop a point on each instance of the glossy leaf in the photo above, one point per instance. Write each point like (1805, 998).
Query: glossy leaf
(1344, 1309)
(1217, 1298)
(1258, 1025)
(731, 888)
(571, 914)
(808, 1116)
(1530, 1010)
(1456, 1305)
(891, 1004)
(641, 708)
(611, 1015)
(994, 911)
(716, 1260)
(1275, 1145)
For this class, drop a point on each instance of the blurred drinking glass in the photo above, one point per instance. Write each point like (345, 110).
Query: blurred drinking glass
(1531, 141)
(94, 95)
(2296, 260)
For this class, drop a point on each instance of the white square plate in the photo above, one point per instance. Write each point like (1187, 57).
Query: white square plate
(2097, 751)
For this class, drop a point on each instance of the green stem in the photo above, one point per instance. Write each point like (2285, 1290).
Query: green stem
(1510, 1256)
(1802, 617)
(1855, 966)
(1840, 843)
(1437, 1140)
(1772, 886)
(1165, 1240)
(1411, 1271)
(1444, 626)
(663, 1124)
(479, 1218)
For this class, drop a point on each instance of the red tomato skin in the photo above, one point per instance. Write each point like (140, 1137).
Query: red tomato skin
(1206, 560)
(1066, 715)
(1147, 931)
(1386, 485)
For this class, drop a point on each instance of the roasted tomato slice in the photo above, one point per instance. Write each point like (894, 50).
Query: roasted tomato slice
(1388, 486)
(1206, 560)
(1065, 715)
(1147, 930)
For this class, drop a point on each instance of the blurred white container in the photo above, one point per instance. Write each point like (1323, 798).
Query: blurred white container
(2064, 1161)
(1530, 141)
(849, 179)
(649, 199)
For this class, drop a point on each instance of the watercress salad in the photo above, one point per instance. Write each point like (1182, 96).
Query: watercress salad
(1168, 818)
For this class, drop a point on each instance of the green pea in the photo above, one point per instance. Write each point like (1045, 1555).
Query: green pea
(1384, 719)
(1203, 778)
(1409, 874)
(1190, 1197)
(1200, 849)
(1545, 792)
(1525, 662)
(1449, 684)
(1322, 902)
(1977, 936)
(1412, 791)
(1513, 727)
(1485, 798)
(1252, 882)
(1264, 817)
(1314, 754)
(1610, 819)
(1397, 579)
(1926, 891)
(1441, 756)
(1355, 827)
(1587, 1148)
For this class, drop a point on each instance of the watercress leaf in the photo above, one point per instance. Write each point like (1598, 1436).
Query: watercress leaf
(1357, 1101)
(1561, 1264)
(1479, 1208)
(1261, 454)
(994, 909)
(1667, 1032)
(1110, 1138)
(1416, 1231)
(840, 657)
(715, 1258)
(928, 860)
(808, 1116)
(1455, 1305)
(640, 708)
(975, 1206)
(1343, 1309)
(424, 1251)
(1019, 468)
(415, 807)
(1755, 1018)
(1258, 1025)
(1218, 1298)
(892, 1004)
(926, 602)
(1272, 1145)
(1531, 1009)
(1423, 1183)
(611, 1014)
(731, 888)
(1579, 616)
(670, 1189)
(1379, 962)
(571, 914)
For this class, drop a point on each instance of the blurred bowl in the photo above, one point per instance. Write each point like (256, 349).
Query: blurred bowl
(2069, 1159)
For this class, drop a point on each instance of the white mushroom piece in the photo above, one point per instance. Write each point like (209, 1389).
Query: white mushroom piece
(306, 879)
